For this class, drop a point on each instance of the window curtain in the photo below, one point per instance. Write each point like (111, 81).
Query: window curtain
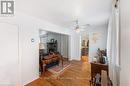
(113, 47)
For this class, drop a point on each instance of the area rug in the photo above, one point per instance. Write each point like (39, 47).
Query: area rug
(56, 70)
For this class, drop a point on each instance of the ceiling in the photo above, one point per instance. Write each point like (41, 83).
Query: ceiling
(65, 12)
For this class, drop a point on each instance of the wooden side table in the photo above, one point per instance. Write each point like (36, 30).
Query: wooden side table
(63, 60)
(97, 68)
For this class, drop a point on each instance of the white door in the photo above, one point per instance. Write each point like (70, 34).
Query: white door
(9, 55)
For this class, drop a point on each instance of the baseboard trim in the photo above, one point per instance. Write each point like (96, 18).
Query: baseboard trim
(24, 84)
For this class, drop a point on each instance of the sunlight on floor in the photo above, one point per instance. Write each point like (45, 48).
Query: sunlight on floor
(84, 59)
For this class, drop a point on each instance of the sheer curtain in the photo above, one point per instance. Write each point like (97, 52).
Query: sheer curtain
(113, 47)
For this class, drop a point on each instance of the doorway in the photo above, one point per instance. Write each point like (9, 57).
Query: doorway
(54, 50)
(84, 47)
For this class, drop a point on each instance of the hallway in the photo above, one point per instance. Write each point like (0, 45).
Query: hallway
(78, 74)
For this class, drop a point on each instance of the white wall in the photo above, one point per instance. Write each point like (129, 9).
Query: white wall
(29, 53)
(75, 46)
(29, 57)
(9, 64)
(125, 42)
(64, 45)
(100, 42)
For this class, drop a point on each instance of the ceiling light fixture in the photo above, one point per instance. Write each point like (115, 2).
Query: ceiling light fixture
(77, 29)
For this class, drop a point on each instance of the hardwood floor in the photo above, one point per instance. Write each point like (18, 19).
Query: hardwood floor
(78, 74)
(84, 59)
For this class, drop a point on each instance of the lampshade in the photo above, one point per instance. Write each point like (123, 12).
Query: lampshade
(41, 46)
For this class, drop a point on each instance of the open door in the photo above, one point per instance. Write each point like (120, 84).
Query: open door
(84, 47)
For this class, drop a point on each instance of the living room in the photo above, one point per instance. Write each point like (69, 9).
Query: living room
(53, 50)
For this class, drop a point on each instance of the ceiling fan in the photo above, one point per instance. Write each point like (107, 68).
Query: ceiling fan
(78, 28)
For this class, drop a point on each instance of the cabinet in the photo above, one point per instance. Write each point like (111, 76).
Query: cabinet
(52, 47)
(84, 51)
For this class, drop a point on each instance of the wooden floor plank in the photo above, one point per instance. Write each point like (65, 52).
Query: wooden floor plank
(78, 74)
